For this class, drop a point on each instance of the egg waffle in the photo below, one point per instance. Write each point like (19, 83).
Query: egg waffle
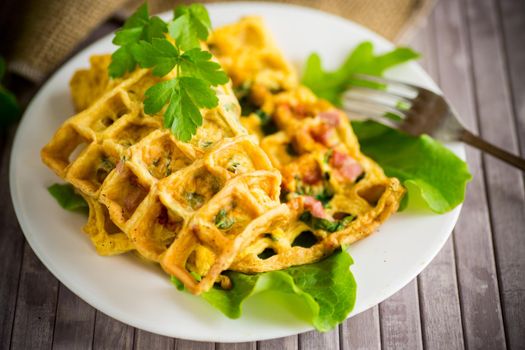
(336, 195)
(165, 198)
(214, 203)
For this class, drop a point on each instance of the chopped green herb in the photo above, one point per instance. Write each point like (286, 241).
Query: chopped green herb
(107, 164)
(206, 144)
(283, 196)
(168, 165)
(223, 221)
(242, 90)
(195, 199)
(229, 107)
(195, 275)
(325, 224)
(327, 156)
(233, 166)
(247, 105)
(326, 195)
(268, 126)
(67, 198)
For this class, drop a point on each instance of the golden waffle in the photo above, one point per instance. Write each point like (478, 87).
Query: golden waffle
(150, 192)
(249, 54)
(214, 203)
(313, 146)
(87, 85)
(107, 238)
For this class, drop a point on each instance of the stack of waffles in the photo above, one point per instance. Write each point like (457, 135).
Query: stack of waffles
(236, 196)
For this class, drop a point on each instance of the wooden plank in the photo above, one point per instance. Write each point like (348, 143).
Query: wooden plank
(437, 284)
(362, 332)
(236, 346)
(193, 345)
(478, 287)
(112, 334)
(149, 341)
(399, 319)
(513, 290)
(287, 343)
(75, 322)
(316, 340)
(11, 247)
(35, 306)
(513, 22)
(505, 184)
(439, 302)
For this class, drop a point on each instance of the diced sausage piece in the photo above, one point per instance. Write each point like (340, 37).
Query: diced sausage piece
(330, 117)
(315, 207)
(323, 134)
(311, 175)
(345, 165)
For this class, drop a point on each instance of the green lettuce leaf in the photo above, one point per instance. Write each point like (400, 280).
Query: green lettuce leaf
(327, 287)
(429, 170)
(330, 85)
(67, 198)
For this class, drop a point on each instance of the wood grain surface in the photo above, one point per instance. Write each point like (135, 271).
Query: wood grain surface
(471, 296)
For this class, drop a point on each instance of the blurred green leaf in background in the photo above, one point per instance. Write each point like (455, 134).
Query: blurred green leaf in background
(9, 108)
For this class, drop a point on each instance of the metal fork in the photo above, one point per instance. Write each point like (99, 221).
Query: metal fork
(415, 110)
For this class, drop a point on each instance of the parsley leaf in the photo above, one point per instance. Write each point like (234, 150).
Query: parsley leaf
(191, 25)
(198, 63)
(67, 198)
(330, 85)
(164, 56)
(184, 95)
(138, 27)
(160, 54)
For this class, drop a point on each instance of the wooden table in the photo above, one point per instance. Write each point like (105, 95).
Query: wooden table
(473, 293)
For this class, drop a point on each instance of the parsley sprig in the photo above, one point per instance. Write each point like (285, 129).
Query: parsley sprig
(143, 42)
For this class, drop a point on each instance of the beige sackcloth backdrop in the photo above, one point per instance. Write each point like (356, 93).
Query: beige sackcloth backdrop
(46, 31)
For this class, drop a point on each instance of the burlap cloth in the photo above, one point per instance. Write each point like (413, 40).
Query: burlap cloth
(46, 31)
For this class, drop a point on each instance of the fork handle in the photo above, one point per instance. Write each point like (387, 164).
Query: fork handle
(476, 141)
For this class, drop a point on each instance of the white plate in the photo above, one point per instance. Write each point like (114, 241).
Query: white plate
(140, 294)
